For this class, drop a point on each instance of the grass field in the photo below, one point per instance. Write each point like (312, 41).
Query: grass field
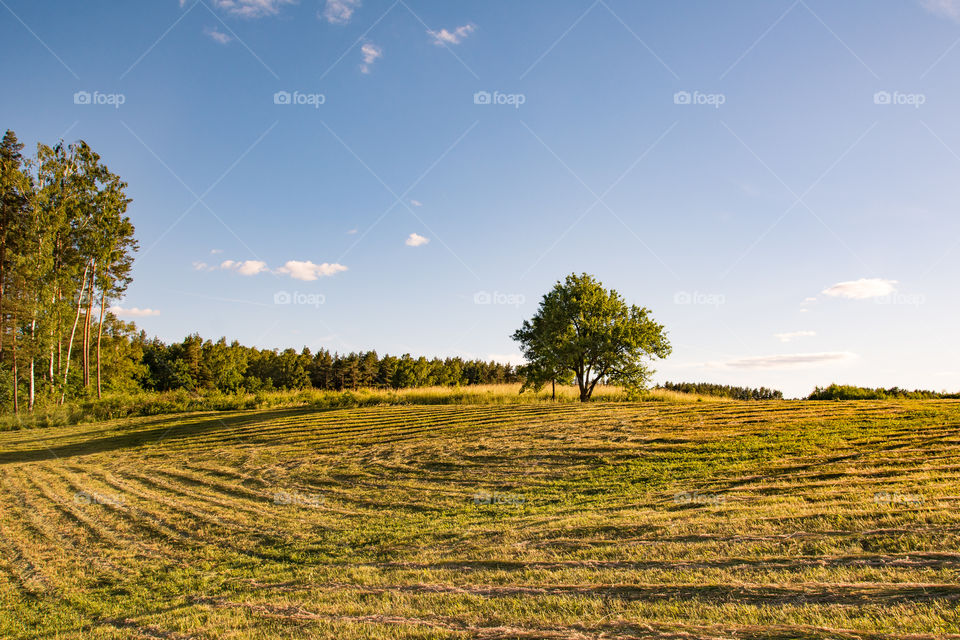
(611, 520)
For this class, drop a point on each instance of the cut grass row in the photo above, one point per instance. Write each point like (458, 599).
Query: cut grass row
(726, 520)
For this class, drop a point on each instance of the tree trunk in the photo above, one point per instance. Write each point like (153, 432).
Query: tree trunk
(86, 331)
(16, 383)
(553, 390)
(103, 302)
(33, 382)
(73, 333)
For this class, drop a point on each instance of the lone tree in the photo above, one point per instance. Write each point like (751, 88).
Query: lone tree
(584, 330)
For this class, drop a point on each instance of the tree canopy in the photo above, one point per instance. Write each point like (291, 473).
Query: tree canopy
(590, 333)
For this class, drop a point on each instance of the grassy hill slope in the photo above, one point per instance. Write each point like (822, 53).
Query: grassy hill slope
(610, 520)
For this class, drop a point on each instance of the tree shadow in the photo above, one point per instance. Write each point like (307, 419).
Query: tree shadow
(172, 428)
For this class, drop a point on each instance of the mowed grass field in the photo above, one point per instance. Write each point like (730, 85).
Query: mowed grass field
(611, 520)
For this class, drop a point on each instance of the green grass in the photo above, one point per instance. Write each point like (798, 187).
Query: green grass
(488, 520)
(149, 403)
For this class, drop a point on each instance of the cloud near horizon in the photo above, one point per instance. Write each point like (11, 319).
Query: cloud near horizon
(861, 289)
(785, 361)
(132, 312)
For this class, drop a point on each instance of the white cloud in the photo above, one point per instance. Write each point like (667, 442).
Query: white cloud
(793, 335)
(133, 312)
(946, 8)
(809, 300)
(306, 270)
(296, 269)
(786, 361)
(216, 35)
(352, 232)
(340, 11)
(506, 358)
(416, 240)
(444, 37)
(244, 268)
(370, 53)
(861, 289)
(215, 251)
(416, 203)
(250, 8)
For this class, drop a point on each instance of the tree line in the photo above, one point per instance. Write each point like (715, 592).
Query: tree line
(197, 364)
(848, 392)
(66, 250)
(723, 390)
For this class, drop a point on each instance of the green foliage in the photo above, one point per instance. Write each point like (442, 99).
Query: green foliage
(723, 390)
(584, 330)
(848, 392)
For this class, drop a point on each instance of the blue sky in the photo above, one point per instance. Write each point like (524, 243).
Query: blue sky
(775, 180)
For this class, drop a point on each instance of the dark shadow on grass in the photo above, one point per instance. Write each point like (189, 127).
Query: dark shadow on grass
(166, 430)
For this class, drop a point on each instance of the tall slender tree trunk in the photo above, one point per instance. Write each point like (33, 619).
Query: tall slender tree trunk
(33, 382)
(86, 330)
(16, 382)
(73, 333)
(59, 330)
(103, 302)
(3, 282)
